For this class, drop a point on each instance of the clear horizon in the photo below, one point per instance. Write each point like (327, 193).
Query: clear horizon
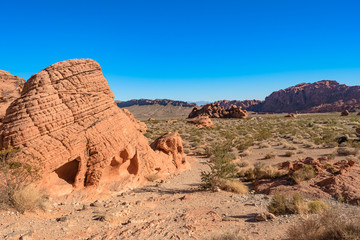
(188, 50)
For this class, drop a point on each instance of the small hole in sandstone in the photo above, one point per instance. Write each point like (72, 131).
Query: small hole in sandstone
(68, 171)
(134, 165)
(124, 155)
(179, 149)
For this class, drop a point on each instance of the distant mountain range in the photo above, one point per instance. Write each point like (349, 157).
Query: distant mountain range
(163, 102)
(321, 96)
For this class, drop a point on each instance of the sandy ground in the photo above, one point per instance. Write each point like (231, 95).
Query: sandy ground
(171, 209)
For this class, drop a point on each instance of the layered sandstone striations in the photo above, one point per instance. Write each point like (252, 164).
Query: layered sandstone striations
(322, 96)
(10, 88)
(67, 118)
(215, 111)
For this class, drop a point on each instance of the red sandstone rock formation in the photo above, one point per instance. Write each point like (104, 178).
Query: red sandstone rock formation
(322, 96)
(66, 116)
(215, 111)
(10, 88)
(345, 113)
(248, 105)
(330, 180)
(202, 122)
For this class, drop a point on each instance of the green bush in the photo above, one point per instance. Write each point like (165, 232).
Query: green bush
(221, 166)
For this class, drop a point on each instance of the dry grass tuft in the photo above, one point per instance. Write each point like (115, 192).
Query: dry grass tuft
(289, 154)
(328, 226)
(307, 172)
(344, 151)
(281, 205)
(26, 199)
(317, 206)
(270, 156)
(228, 236)
(232, 186)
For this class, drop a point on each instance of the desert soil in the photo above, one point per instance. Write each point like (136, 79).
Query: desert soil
(171, 209)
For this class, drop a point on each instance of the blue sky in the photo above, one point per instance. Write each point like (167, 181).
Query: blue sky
(188, 49)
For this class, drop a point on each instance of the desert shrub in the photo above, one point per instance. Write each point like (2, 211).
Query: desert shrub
(278, 204)
(317, 206)
(263, 171)
(305, 173)
(328, 226)
(28, 198)
(242, 164)
(264, 145)
(244, 153)
(232, 186)
(221, 166)
(309, 145)
(228, 236)
(270, 156)
(297, 205)
(16, 178)
(243, 145)
(263, 134)
(344, 151)
(281, 205)
(289, 154)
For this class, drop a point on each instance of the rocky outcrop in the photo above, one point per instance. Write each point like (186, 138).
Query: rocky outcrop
(341, 178)
(345, 113)
(202, 122)
(67, 118)
(215, 111)
(171, 144)
(10, 88)
(322, 96)
(163, 102)
(249, 105)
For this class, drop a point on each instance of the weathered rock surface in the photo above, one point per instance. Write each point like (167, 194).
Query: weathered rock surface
(10, 88)
(291, 115)
(162, 102)
(215, 111)
(171, 144)
(330, 180)
(345, 113)
(67, 118)
(202, 122)
(249, 105)
(322, 96)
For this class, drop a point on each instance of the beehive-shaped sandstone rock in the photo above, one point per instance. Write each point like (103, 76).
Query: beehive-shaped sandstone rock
(66, 117)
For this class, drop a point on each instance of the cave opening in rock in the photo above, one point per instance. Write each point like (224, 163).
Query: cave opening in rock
(68, 171)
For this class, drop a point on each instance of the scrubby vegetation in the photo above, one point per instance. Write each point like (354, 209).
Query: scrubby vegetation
(281, 205)
(16, 182)
(222, 170)
(307, 172)
(265, 132)
(330, 225)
